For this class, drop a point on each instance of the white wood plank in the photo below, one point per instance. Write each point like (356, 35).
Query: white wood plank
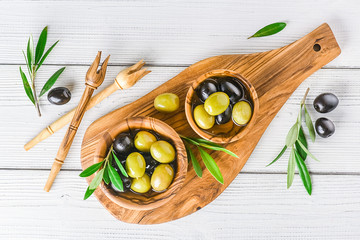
(170, 33)
(338, 154)
(254, 206)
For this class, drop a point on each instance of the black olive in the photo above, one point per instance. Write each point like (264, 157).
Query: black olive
(324, 127)
(325, 102)
(232, 88)
(224, 117)
(123, 143)
(151, 164)
(206, 88)
(59, 96)
(126, 182)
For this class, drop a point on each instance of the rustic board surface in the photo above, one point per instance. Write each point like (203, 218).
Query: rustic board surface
(170, 36)
(274, 75)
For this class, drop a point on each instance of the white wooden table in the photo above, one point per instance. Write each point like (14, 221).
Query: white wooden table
(171, 35)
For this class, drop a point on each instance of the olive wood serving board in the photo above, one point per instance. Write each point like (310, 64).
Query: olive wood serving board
(274, 74)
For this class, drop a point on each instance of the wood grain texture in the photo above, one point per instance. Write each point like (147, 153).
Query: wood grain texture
(171, 36)
(151, 199)
(332, 212)
(22, 123)
(232, 133)
(176, 33)
(94, 78)
(274, 75)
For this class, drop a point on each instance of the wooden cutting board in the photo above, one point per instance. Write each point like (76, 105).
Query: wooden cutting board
(274, 74)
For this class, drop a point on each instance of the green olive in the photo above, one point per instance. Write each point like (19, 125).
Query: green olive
(143, 141)
(242, 112)
(162, 151)
(166, 102)
(162, 177)
(202, 118)
(141, 185)
(135, 165)
(216, 103)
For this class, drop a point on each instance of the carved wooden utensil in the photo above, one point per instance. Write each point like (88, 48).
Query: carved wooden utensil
(274, 75)
(94, 78)
(125, 79)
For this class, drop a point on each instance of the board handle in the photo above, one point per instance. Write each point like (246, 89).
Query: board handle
(292, 64)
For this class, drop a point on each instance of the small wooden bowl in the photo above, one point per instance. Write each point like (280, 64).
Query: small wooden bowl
(151, 199)
(235, 133)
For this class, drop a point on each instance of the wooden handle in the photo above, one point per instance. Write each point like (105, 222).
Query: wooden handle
(69, 136)
(65, 119)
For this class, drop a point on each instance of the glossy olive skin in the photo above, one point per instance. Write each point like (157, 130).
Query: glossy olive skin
(135, 165)
(224, 117)
(232, 88)
(126, 183)
(162, 177)
(123, 144)
(151, 164)
(141, 184)
(166, 102)
(324, 127)
(206, 88)
(325, 102)
(143, 141)
(241, 113)
(59, 96)
(202, 118)
(162, 151)
(216, 103)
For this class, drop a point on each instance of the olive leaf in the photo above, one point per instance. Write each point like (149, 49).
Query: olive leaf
(115, 178)
(292, 135)
(122, 169)
(40, 47)
(307, 151)
(201, 140)
(278, 156)
(34, 59)
(209, 162)
(106, 177)
(28, 65)
(91, 170)
(270, 29)
(303, 172)
(30, 51)
(51, 81)
(302, 139)
(46, 54)
(218, 149)
(97, 179)
(296, 139)
(211, 165)
(291, 168)
(88, 193)
(27, 86)
(309, 125)
(195, 162)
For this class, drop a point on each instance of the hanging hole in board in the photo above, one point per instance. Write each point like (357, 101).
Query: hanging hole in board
(317, 47)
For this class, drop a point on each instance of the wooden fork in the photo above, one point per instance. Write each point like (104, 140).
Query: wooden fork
(94, 78)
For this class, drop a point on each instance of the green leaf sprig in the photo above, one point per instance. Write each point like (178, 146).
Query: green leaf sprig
(34, 59)
(107, 173)
(208, 161)
(270, 29)
(296, 141)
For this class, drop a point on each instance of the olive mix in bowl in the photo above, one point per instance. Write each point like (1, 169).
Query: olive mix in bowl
(152, 156)
(221, 105)
(149, 161)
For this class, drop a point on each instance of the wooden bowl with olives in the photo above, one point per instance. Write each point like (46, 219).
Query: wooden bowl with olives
(221, 105)
(152, 158)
